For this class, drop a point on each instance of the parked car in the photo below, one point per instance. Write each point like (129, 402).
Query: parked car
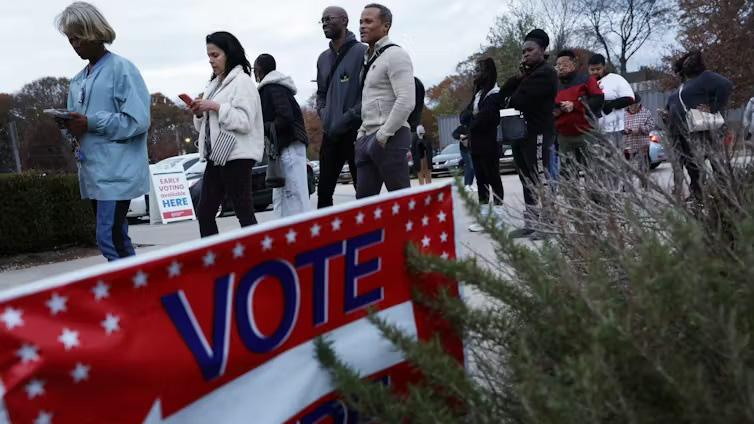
(345, 175)
(656, 149)
(447, 161)
(656, 153)
(450, 159)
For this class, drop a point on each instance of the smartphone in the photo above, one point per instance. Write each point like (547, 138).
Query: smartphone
(58, 113)
(186, 99)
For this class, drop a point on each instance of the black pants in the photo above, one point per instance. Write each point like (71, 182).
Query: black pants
(689, 149)
(532, 158)
(487, 170)
(233, 178)
(334, 153)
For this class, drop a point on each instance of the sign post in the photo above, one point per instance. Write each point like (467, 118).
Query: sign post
(169, 196)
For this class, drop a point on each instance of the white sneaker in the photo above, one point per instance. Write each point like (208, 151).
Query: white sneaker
(476, 227)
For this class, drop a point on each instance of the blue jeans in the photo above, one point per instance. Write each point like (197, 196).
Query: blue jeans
(112, 228)
(468, 168)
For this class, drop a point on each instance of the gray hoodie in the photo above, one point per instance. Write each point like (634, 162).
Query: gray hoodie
(339, 104)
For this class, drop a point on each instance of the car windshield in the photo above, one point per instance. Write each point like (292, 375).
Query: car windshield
(451, 149)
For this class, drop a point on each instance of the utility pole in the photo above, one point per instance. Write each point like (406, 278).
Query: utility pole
(14, 144)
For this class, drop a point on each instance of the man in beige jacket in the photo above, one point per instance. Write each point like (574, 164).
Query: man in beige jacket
(388, 98)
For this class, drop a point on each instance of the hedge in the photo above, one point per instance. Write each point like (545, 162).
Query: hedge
(43, 212)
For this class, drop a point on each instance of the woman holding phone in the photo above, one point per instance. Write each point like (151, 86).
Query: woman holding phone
(231, 133)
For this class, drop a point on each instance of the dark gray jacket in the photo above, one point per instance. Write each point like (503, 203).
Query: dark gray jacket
(339, 105)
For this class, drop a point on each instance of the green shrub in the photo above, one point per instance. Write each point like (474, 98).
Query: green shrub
(43, 212)
(637, 308)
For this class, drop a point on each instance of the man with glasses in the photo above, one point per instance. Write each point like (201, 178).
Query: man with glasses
(577, 106)
(338, 101)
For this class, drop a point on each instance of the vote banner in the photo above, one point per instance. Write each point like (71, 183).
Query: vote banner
(169, 196)
(221, 330)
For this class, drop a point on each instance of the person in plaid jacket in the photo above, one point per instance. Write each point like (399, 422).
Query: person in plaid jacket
(638, 124)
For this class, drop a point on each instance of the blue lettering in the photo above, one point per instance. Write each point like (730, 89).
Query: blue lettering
(254, 340)
(337, 410)
(334, 409)
(212, 360)
(320, 259)
(354, 271)
(166, 203)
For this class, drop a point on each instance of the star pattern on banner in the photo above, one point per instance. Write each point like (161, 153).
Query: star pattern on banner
(43, 418)
(12, 318)
(266, 244)
(315, 230)
(238, 251)
(56, 303)
(69, 338)
(140, 280)
(80, 373)
(427, 217)
(35, 388)
(101, 290)
(111, 324)
(174, 269)
(209, 259)
(28, 353)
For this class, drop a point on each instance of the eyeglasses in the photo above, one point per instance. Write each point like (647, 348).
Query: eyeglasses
(327, 19)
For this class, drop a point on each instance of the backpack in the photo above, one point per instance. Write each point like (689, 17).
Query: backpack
(416, 116)
(414, 119)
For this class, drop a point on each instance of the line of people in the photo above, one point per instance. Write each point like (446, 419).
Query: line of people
(369, 103)
(366, 99)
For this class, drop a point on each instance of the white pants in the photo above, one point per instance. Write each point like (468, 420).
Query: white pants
(292, 198)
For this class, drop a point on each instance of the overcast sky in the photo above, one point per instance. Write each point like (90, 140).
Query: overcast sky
(165, 38)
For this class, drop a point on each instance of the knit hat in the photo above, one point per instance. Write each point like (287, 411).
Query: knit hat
(538, 36)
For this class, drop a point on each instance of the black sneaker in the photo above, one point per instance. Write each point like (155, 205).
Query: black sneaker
(521, 233)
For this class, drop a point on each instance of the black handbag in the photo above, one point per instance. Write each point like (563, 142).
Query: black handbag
(275, 177)
(512, 121)
(513, 124)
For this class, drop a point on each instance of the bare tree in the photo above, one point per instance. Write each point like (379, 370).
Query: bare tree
(622, 27)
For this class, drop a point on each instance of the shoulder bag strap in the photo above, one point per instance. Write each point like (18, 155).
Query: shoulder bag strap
(680, 90)
(339, 58)
(371, 62)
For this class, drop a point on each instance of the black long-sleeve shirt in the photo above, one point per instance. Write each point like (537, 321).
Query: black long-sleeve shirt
(708, 88)
(534, 95)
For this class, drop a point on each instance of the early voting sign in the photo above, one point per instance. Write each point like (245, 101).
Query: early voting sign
(169, 196)
(221, 330)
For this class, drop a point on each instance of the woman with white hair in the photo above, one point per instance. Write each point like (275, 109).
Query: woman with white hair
(108, 107)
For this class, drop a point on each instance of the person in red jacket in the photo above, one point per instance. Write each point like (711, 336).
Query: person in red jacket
(577, 106)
